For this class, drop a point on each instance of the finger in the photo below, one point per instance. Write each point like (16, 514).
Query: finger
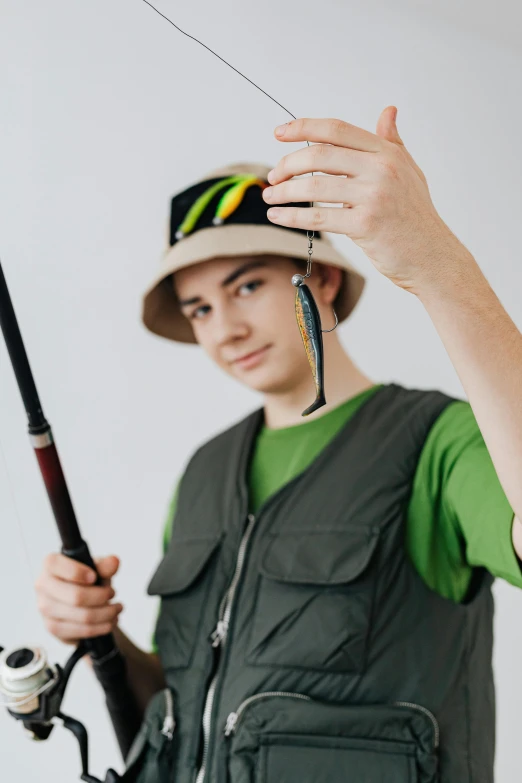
(331, 131)
(107, 566)
(63, 567)
(335, 190)
(73, 594)
(70, 632)
(314, 218)
(54, 610)
(319, 157)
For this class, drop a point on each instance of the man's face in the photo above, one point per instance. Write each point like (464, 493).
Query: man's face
(242, 312)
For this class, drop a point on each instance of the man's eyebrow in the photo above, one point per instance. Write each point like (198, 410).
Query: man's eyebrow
(230, 279)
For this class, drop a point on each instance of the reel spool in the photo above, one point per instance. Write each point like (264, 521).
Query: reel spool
(32, 690)
(25, 678)
(24, 675)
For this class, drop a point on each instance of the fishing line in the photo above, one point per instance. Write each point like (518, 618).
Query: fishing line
(226, 63)
(217, 55)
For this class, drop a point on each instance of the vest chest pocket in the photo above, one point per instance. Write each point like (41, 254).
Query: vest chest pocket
(314, 600)
(183, 581)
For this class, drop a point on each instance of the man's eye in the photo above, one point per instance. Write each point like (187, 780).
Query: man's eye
(198, 312)
(251, 286)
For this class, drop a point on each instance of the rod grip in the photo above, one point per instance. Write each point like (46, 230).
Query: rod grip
(111, 671)
(101, 646)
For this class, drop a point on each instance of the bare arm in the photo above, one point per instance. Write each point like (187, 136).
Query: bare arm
(144, 669)
(485, 347)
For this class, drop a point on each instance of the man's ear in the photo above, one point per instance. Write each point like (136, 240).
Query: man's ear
(330, 280)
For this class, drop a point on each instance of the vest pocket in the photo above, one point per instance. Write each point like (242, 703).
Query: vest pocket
(290, 738)
(182, 581)
(149, 759)
(314, 600)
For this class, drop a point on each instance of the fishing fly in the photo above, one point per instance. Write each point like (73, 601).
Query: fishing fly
(307, 312)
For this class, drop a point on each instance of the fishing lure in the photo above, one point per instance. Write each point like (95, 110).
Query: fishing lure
(236, 187)
(309, 322)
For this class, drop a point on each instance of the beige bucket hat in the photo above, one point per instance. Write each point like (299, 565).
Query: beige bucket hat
(245, 232)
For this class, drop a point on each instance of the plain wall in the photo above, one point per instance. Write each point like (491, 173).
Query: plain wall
(106, 111)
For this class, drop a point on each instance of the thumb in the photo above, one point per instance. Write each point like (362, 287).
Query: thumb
(387, 129)
(107, 566)
(387, 126)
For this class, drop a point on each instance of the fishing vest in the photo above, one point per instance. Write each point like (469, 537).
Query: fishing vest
(300, 645)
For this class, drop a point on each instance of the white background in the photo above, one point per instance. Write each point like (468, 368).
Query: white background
(106, 111)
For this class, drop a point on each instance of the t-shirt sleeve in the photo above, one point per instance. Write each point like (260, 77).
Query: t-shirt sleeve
(475, 500)
(167, 532)
(468, 496)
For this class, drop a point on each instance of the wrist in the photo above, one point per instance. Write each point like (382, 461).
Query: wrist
(454, 274)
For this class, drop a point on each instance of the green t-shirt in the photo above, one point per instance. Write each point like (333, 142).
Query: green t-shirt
(458, 515)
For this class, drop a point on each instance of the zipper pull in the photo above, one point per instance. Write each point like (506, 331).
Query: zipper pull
(169, 724)
(219, 633)
(230, 725)
(168, 727)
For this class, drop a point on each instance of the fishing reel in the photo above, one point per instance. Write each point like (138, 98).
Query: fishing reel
(32, 690)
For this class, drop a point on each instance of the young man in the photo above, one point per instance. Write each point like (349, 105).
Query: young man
(326, 608)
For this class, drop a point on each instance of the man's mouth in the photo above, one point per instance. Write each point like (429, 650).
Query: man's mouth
(250, 358)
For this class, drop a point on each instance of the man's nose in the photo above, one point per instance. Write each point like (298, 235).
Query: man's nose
(229, 325)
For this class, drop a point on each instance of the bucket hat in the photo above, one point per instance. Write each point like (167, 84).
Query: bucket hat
(224, 214)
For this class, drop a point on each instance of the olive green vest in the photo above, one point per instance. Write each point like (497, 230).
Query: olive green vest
(301, 645)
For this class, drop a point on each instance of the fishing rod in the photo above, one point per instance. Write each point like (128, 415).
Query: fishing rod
(31, 688)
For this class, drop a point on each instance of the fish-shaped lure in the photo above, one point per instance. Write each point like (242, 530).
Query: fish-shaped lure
(309, 322)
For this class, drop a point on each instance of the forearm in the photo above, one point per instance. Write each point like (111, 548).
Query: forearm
(144, 669)
(485, 348)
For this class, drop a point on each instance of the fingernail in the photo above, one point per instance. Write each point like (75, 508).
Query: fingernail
(91, 577)
(281, 129)
(267, 192)
(274, 212)
(270, 175)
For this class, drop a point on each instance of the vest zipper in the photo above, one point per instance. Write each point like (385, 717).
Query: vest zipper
(233, 718)
(426, 711)
(218, 638)
(169, 724)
